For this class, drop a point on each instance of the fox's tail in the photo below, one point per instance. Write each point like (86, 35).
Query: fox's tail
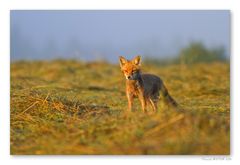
(167, 97)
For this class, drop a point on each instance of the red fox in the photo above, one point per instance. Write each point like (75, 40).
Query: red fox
(147, 87)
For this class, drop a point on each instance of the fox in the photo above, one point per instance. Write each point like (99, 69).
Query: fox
(147, 87)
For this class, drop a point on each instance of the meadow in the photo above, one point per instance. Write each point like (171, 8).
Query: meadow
(74, 107)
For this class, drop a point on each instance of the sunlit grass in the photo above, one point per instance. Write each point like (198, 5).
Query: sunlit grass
(71, 107)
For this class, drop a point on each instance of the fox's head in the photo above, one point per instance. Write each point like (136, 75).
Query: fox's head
(130, 68)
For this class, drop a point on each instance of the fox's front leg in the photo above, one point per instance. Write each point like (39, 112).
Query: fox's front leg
(143, 101)
(130, 101)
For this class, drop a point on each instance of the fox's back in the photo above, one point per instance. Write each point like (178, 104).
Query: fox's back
(152, 83)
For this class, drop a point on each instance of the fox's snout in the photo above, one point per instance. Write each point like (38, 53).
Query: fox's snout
(128, 77)
(133, 76)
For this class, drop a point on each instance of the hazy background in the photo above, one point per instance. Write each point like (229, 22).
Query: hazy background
(104, 35)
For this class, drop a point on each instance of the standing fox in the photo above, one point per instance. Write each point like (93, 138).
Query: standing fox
(147, 87)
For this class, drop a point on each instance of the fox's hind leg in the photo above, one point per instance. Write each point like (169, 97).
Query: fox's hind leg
(154, 103)
(153, 99)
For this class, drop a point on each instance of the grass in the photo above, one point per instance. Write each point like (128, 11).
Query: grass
(71, 107)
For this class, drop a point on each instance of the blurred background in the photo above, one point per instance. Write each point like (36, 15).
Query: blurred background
(90, 35)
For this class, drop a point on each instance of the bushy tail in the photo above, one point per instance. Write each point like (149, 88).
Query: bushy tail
(167, 97)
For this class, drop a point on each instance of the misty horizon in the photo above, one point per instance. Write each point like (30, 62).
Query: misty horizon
(89, 35)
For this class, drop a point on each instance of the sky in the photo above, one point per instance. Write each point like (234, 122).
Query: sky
(93, 35)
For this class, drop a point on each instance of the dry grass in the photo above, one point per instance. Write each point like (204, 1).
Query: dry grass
(70, 107)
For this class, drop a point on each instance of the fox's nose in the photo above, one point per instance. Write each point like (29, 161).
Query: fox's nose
(128, 77)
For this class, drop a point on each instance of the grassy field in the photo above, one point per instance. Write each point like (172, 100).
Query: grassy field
(71, 107)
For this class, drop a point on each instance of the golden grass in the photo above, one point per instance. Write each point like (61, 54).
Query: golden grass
(71, 107)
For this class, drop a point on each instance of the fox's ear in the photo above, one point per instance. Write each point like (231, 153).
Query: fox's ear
(122, 61)
(136, 60)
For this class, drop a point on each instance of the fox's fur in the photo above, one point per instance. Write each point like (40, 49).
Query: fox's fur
(147, 87)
